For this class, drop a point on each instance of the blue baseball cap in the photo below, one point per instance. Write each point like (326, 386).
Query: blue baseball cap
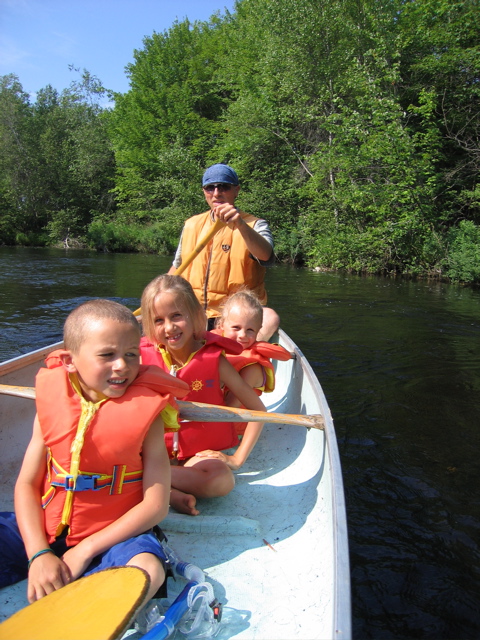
(219, 173)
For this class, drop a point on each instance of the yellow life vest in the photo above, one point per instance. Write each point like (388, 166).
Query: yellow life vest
(224, 266)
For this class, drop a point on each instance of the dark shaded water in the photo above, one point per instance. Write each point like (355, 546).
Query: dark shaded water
(399, 362)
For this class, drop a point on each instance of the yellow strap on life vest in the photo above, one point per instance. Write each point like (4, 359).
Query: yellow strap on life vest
(170, 418)
(173, 368)
(89, 409)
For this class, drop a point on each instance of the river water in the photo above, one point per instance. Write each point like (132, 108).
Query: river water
(399, 362)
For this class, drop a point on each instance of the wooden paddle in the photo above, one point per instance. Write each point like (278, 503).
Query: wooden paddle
(202, 412)
(191, 256)
(199, 247)
(99, 606)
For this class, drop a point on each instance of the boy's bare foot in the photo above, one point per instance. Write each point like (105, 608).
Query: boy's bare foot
(183, 502)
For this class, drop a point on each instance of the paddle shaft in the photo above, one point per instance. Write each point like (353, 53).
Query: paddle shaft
(198, 248)
(202, 412)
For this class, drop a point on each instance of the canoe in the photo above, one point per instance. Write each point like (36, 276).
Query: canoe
(275, 549)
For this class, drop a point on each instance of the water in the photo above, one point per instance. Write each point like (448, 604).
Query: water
(39, 287)
(399, 362)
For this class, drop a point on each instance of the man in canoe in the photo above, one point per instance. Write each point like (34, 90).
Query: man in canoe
(95, 480)
(235, 257)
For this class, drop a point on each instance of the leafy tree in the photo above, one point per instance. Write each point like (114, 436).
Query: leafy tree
(163, 126)
(441, 60)
(17, 162)
(56, 160)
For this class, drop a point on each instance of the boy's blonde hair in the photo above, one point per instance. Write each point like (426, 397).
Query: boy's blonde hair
(187, 301)
(243, 298)
(78, 321)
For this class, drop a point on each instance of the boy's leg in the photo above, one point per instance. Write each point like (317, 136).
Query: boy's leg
(142, 551)
(271, 322)
(152, 565)
(13, 558)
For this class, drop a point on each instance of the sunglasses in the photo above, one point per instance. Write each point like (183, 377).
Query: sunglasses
(221, 186)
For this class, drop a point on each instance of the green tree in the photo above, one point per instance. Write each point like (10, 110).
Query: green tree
(17, 164)
(164, 125)
(441, 60)
(56, 159)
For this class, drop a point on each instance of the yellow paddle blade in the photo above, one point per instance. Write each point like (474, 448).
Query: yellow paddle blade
(97, 607)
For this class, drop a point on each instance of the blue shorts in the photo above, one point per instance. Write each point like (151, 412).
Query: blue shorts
(14, 561)
(120, 554)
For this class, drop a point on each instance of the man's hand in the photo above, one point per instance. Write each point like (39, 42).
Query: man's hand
(228, 214)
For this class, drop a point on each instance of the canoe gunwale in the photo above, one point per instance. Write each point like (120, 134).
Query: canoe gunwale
(342, 613)
(14, 364)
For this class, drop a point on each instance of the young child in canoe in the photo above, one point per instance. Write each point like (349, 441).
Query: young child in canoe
(175, 339)
(98, 432)
(240, 320)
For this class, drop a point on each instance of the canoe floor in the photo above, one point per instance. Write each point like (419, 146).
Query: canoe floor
(267, 548)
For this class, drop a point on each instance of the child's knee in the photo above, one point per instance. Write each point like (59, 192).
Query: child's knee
(153, 566)
(219, 480)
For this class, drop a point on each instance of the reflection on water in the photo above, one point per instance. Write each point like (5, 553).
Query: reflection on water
(39, 287)
(399, 362)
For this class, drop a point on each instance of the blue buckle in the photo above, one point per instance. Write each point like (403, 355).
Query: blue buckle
(84, 483)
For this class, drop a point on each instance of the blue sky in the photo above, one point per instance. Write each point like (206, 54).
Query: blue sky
(39, 39)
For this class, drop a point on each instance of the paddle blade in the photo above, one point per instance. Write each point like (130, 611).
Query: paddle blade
(98, 607)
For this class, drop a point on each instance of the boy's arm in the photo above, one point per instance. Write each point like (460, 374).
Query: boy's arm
(47, 572)
(249, 399)
(143, 516)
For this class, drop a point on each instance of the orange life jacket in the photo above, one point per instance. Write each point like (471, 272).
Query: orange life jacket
(111, 454)
(224, 266)
(201, 373)
(260, 353)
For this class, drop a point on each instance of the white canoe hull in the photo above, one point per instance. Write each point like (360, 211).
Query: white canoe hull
(275, 549)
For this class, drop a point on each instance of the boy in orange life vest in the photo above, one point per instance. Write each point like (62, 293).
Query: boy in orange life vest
(235, 257)
(99, 413)
(241, 320)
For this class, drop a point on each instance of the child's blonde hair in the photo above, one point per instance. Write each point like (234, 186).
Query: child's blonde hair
(243, 298)
(187, 300)
(78, 321)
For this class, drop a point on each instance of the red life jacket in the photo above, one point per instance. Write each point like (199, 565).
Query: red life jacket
(202, 375)
(111, 455)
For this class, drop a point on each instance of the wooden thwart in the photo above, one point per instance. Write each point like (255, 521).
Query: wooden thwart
(98, 607)
(19, 392)
(202, 412)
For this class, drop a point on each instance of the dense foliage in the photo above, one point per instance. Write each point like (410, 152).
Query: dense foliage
(355, 128)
